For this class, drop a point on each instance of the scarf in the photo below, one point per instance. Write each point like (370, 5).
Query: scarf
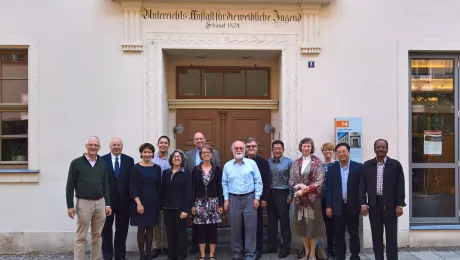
(314, 181)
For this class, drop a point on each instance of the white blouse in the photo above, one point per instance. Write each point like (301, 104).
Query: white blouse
(305, 162)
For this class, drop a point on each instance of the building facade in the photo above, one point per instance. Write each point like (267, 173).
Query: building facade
(280, 70)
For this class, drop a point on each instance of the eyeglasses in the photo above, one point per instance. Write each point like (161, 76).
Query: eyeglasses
(206, 153)
(176, 157)
(251, 146)
(238, 148)
(92, 145)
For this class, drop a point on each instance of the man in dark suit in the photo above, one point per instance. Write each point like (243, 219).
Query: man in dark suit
(192, 160)
(342, 201)
(382, 195)
(118, 167)
(264, 169)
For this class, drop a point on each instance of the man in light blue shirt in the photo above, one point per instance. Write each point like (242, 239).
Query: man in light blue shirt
(242, 187)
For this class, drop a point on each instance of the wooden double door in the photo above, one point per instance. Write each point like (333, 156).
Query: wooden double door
(223, 126)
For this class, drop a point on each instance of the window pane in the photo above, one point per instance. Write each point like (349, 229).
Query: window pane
(234, 83)
(433, 105)
(189, 82)
(14, 91)
(14, 149)
(212, 84)
(257, 83)
(14, 123)
(433, 193)
(14, 66)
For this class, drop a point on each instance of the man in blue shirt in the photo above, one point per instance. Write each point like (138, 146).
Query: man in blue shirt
(242, 186)
(280, 198)
(342, 201)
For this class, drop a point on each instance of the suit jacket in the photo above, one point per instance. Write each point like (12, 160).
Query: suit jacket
(264, 169)
(191, 156)
(119, 187)
(393, 184)
(334, 188)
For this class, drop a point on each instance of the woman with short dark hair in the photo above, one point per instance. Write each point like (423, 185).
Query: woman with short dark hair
(144, 188)
(306, 178)
(176, 198)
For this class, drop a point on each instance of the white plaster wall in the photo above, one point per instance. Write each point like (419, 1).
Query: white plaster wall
(356, 75)
(88, 86)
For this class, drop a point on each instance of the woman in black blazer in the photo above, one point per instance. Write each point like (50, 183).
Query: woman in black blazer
(208, 200)
(176, 197)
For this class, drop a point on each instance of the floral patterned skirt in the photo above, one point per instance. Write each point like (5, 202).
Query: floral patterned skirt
(206, 211)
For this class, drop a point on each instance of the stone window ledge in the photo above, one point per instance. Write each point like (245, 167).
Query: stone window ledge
(19, 176)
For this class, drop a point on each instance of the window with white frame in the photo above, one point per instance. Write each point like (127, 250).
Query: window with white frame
(13, 108)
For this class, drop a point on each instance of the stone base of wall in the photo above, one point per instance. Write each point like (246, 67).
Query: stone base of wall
(63, 242)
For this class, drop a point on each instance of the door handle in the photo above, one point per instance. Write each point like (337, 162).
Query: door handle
(270, 129)
(178, 129)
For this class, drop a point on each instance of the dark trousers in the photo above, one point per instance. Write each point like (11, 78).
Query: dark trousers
(194, 237)
(177, 234)
(206, 233)
(330, 232)
(379, 216)
(120, 216)
(342, 222)
(278, 210)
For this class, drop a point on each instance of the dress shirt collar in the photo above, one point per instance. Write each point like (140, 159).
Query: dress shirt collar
(113, 157)
(279, 160)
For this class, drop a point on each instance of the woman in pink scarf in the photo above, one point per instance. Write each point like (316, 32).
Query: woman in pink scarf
(306, 178)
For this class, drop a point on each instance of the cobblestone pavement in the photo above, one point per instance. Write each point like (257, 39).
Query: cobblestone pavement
(224, 254)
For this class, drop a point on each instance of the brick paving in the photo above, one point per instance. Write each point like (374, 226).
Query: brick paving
(224, 254)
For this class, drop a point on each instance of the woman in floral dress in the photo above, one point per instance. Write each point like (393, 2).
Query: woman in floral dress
(208, 200)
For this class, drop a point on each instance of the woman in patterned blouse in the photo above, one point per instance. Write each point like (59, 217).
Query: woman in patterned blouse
(208, 200)
(306, 178)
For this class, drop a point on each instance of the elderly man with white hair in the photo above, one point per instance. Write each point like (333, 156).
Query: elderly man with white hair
(118, 168)
(88, 179)
(242, 186)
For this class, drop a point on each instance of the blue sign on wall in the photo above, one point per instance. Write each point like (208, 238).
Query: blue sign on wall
(311, 64)
(349, 130)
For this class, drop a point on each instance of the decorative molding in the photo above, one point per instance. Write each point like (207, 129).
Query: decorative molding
(132, 41)
(223, 104)
(311, 43)
(154, 74)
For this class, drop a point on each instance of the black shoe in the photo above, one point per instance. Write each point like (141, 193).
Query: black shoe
(156, 252)
(193, 251)
(165, 250)
(284, 253)
(258, 255)
(268, 250)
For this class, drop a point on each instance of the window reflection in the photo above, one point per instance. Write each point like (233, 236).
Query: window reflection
(433, 193)
(433, 106)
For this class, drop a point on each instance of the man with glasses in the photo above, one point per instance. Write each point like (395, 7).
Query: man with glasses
(279, 201)
(264, 169)
(242, 186)
(342, 201)
(193, 159)
(88, 178)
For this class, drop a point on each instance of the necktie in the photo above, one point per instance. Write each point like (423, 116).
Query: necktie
(117, 167)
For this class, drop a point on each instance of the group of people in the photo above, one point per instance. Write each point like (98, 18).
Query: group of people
(158, 193)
